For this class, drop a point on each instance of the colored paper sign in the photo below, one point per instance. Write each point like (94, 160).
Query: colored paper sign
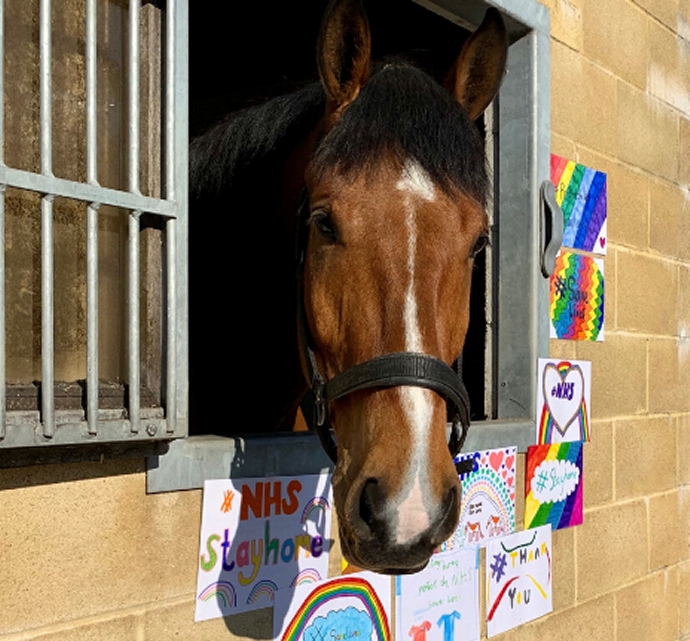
(440, 603)
(563, 400)
(581, 194)
(577, 298)
(355, 607)
(487, 507)
(259, 536)
(553, 485)
(518, 574)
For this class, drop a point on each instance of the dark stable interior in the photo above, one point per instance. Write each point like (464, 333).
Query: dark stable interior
(242, 54)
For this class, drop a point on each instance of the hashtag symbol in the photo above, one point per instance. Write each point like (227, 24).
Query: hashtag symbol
(541, 481)
(498, 567)
(227, 501)
(560, 285)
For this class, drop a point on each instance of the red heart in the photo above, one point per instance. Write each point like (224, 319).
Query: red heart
(510, 480)
(496, 458)
(509, 462)
(512, 496)
(602, 242)
(504, 473)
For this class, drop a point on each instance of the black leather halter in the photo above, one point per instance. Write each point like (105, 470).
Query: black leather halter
(388, 370)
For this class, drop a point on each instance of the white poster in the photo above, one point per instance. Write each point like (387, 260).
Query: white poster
(519, 579)
(259, 536)
(440, 603)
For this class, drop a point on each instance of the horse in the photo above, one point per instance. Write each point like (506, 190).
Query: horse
(377, 174)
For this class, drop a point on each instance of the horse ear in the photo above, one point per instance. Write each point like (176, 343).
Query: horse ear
(479, 69)
(343, 53)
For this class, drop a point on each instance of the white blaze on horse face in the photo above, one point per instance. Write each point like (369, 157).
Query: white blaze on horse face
(413, 517)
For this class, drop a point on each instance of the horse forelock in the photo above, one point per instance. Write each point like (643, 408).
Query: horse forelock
(401, 114)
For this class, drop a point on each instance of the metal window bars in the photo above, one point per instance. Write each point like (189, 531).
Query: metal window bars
(172, 208)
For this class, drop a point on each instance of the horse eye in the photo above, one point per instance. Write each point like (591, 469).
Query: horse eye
(323, 222)
(480, 244)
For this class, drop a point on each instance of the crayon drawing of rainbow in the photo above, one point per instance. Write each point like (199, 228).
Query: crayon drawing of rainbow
(263, 589)
(223, 591)
(309, 575)
(486, 484)
(581, 194)
(312, 508)
(327, 594)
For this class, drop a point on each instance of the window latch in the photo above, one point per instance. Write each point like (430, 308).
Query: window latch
(550, 227)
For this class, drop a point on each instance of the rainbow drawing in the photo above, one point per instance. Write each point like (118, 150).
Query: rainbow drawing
(581, 194)
(310, 575)
(263, 589)
(311, 509)
(577, 298)
(559, 514)
(488, 484)
(223, 591)
(327, 593)
(547, 424)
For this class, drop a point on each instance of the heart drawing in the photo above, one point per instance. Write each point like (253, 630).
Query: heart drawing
(564, 391)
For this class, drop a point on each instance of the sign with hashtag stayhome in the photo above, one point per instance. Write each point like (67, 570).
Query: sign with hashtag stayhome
(564, 390)
(259, 536)
(577, 298)
(519, 577)
(440, 603)
(553, 485)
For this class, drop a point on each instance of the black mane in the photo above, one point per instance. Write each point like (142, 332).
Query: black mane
(401, 111)
(404, 112)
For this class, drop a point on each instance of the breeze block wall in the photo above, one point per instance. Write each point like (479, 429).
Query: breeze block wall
(87, 555)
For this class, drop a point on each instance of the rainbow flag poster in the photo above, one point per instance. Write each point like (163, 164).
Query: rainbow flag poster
(441, 602)
(487, 506)
(577, 297)
(260, 536)
(564, 390)
(553, 485)
(581, 194)
(519, 578)
(354, 607)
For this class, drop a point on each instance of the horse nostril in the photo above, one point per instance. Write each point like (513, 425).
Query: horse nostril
(451, 502)
(371, 502)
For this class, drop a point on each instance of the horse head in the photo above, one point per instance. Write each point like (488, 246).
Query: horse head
(396, 213)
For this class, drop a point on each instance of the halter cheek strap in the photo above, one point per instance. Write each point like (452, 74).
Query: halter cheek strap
(388, 370)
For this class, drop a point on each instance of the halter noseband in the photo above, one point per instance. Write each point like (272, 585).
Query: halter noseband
(388, 370)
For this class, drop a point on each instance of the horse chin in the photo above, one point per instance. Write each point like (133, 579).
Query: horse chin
(378, 556)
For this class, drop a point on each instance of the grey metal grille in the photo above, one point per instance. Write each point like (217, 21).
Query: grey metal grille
(49, 426)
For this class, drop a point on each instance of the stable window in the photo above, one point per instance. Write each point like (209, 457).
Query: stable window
(93, 182)
(509, 316)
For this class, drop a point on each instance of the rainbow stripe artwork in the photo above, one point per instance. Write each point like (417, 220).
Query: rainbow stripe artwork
(581, 194)
(352, 606)
(553, 485)
(222, 591)
(577, 298)
(563, 401)
(310, 575)
(264, 589)
(315, 509)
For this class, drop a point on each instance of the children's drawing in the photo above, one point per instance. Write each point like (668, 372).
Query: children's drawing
(440, 603)
(487, 507)
(553, 485)
(581, 193)
(259, 536)
(563, 401)
(354, 607)
(519, 579)
(577, 298)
